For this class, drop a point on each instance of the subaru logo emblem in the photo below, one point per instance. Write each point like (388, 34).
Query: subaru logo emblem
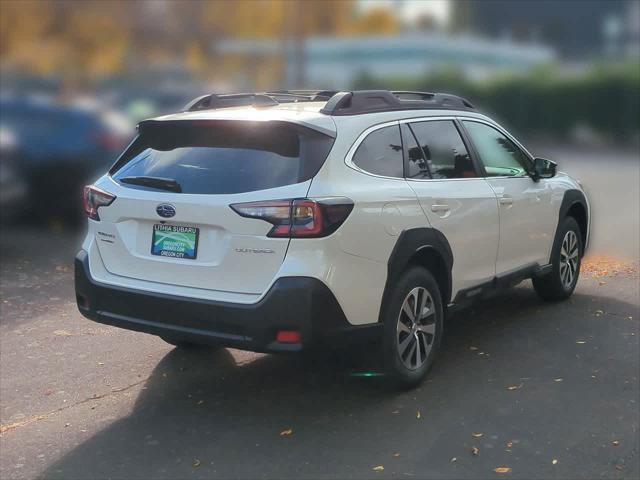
(165, 210)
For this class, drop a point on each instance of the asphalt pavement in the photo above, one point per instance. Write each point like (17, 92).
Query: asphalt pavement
(532, 389)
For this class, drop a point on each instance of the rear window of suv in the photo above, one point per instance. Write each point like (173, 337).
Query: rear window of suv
(224, 157)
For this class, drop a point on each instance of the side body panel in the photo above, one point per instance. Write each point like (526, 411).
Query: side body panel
(527, 221)
(466, 212)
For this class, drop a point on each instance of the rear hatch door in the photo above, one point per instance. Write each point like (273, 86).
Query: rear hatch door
(178, 227)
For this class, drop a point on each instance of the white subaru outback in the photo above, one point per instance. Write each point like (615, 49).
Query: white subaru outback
(283, 220)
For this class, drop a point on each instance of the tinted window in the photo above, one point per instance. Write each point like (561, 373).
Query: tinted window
(218, 157)
(381, 152)
(500, 156)
(416, 163)
(443, 150)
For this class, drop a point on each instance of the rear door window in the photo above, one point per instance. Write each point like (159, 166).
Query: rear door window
(224, 157)
(380, 152)
(415, 163)
(443, 149)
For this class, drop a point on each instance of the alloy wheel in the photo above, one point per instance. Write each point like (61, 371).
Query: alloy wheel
(416, 328)
(569, 259)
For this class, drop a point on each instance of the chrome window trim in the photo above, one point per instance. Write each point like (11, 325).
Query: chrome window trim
(352, 150)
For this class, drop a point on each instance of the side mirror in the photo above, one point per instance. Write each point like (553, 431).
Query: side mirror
(543, 168)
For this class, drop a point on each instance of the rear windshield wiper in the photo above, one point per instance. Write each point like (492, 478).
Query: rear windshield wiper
(154, 182)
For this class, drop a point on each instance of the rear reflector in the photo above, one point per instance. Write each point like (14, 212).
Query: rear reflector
(288, 336)
(299, 218)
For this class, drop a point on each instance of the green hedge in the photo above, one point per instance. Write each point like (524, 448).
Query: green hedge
(544, 101)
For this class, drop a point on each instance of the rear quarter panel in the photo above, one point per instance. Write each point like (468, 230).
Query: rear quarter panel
(353, 262)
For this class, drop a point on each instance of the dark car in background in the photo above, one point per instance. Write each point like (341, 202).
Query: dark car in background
(13, 188)
(55, 148)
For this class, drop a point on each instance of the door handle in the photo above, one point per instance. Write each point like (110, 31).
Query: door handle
(440, 208)
(506, 201)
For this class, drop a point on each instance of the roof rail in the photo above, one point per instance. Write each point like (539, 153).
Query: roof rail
(338, 103)
(261, 99)
(213, 101)
(301, 95)
(371, 101)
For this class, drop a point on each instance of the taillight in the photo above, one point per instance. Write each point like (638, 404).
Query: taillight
(94, 198)
(299, 218)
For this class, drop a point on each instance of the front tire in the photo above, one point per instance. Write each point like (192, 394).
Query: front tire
(565, 259)
(413, 322)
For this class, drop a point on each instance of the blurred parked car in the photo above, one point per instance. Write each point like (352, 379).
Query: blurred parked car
(13, 189)
(54, 150)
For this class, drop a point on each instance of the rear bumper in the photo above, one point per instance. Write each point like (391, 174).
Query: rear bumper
(303, 304)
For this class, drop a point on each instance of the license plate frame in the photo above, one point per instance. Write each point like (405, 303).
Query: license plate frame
(175, 241)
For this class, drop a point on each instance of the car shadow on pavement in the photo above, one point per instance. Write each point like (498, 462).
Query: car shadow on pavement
(205, 414)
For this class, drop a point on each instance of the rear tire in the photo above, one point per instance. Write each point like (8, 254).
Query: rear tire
(565, 258)
(413, 322)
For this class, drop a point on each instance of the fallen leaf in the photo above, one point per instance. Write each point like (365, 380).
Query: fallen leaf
(475, 450)
(285, 433)
(418, 414)
(63, 333)
(453, 460)
(515, 387)
(615, 443)
(196, 463)
(502, 469)
(379, 468)
(477, 435)
(509, 444)
(396, 455)
(554, 461)
(619, 467)
(602, 283)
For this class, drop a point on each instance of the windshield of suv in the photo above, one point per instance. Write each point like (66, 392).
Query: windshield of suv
(222, 157)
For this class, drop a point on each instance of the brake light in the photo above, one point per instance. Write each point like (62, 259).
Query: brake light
(299, 218)
(94, 198)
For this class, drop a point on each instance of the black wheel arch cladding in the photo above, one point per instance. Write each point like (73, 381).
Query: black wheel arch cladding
(570, 199)
(409, 244)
